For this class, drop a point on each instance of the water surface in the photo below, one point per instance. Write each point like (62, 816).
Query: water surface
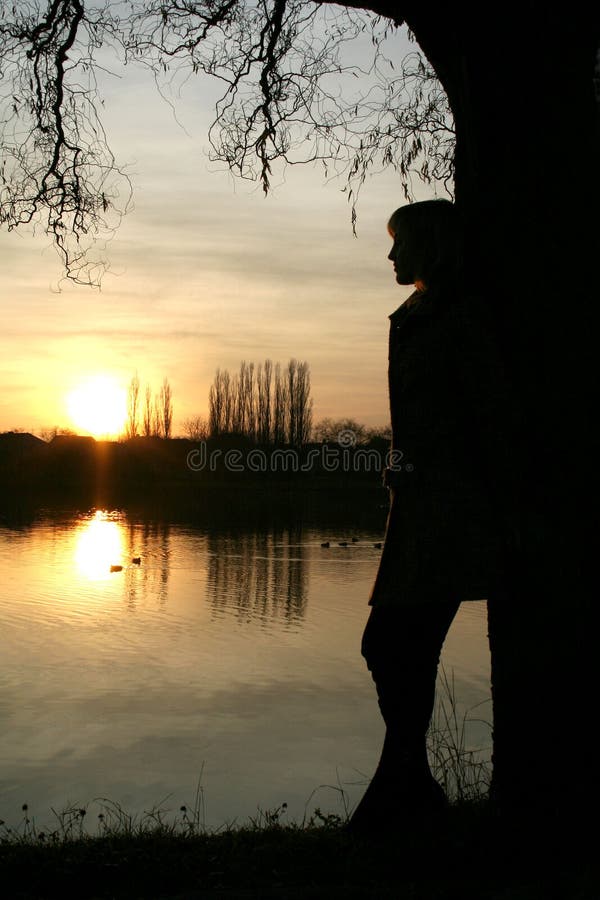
(230, 656)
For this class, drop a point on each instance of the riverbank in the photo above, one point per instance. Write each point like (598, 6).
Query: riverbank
(474, 856)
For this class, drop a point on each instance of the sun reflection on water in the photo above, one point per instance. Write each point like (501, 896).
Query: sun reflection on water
(99, 546)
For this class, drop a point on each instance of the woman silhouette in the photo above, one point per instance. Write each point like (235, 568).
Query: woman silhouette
(444, 540)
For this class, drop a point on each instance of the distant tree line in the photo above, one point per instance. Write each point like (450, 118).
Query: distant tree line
(269, 404)
(196, 428)
(150, 415)
(349, 431)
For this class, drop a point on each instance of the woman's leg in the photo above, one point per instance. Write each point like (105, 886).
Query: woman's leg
(402, 649)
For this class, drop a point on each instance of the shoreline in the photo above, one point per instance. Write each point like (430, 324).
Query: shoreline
(476, 854)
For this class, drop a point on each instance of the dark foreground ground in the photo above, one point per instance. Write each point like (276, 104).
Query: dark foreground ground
(471, 857)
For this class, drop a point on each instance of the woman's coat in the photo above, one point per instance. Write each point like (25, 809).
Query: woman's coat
(446, 535)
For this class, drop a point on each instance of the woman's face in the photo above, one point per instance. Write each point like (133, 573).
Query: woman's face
(402, 254)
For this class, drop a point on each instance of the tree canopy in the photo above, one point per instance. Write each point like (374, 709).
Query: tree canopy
(302, 82)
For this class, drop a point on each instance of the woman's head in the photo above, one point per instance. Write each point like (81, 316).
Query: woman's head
(425, 249)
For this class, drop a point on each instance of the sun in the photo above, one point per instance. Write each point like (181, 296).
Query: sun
(98, 406)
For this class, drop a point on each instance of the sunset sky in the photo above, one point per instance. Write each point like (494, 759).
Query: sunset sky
(205, 273)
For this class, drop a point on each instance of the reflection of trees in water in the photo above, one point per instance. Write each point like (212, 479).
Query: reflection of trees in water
(151, 542)
(262, 575)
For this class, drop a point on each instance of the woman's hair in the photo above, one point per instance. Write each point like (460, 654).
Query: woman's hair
(433, 229)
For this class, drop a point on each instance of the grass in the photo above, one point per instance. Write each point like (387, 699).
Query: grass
(153, 855)
(472, 858)
(464, 773)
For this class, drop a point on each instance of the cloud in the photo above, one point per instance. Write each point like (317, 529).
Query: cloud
(205, 272)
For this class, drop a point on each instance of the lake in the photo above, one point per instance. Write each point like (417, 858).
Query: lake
(227, 657)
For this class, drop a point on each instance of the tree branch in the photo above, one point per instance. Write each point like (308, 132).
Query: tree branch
(293, 93)
(57, 170)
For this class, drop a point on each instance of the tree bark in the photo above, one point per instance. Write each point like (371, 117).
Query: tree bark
(527, 185)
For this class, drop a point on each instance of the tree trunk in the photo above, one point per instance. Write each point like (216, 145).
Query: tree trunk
(522, 92)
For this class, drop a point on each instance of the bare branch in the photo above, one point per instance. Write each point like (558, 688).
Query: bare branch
(57, 171)
(293, 93)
